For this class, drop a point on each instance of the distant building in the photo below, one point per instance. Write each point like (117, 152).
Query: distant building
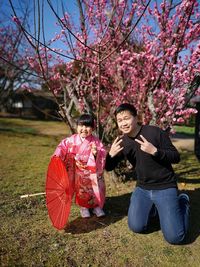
(33, 103)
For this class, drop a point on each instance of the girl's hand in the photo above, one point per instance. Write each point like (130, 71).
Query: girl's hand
(116, 147)
(80, 165)
(94, 149)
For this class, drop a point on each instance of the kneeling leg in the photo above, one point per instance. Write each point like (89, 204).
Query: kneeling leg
(139, 209)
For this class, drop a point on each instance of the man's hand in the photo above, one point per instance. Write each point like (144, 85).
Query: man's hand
(116, 147)
(146, 146)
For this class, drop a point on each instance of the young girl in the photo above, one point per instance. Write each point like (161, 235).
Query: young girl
(84, 156)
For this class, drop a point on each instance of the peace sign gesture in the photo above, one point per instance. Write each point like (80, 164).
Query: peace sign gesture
(146, 146)
(116, 147)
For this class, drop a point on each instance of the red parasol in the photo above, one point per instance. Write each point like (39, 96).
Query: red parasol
(58, 193)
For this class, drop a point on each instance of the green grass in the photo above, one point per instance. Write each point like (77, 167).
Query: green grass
(185, 130)
(27, 237)
(15, 126)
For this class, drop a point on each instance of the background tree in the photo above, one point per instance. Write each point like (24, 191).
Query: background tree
(143, 52)
(14, 54)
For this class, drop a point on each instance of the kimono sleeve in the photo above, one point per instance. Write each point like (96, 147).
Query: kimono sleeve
(101, 157)
(62, 149)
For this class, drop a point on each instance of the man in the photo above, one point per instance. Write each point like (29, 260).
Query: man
(150, 151)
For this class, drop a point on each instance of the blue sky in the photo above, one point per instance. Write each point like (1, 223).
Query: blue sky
(49, 20)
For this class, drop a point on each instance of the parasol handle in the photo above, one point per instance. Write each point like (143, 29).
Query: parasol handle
(31, 195)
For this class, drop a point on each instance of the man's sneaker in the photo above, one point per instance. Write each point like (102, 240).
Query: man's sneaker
(98, 212)
(184, 196)
(84, 212)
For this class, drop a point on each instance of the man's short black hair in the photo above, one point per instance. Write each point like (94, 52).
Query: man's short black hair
(86, 119)
(128, 107)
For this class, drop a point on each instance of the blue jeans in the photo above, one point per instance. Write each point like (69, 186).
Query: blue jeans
(173, 213)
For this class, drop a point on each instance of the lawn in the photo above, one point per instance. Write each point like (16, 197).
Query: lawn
(185, 130)
(27, 237)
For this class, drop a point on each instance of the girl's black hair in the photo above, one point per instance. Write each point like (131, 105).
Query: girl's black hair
(128, 107)
(86, 119)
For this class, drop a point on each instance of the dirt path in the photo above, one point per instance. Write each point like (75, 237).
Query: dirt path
(184, 143)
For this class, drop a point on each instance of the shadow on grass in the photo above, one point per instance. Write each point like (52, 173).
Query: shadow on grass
(190, 180)
(194, 230)
(188, 169)
(192, 171)
(182, 135)
(116, 208)
(19, 130)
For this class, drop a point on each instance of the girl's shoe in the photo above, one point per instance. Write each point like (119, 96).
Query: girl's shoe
(84, 212)
(98, 212)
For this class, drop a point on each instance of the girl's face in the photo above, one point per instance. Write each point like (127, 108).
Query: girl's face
(126, 122)
(84, 131)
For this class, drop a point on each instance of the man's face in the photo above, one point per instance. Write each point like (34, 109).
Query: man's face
(84, 131)
(126, 122)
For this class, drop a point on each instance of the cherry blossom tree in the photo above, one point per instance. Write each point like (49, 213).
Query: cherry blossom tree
(143, 52)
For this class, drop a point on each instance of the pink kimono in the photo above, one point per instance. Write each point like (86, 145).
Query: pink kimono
(84, 171)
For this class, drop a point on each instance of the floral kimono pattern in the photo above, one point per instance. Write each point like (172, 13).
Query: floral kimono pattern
(84, 170)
